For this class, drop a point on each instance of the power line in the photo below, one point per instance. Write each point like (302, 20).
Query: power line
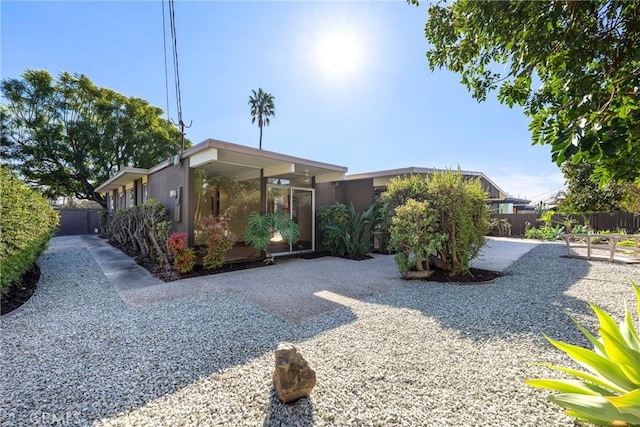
(166, 73)
(174, 39)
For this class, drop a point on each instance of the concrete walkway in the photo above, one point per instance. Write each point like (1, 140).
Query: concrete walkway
(292, 289)
(500, 252)
(122, 271)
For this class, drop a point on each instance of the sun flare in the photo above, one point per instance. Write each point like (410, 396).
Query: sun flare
(339, 53)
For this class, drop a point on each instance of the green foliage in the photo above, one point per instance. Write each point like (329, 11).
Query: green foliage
(28, 223)
(184, 258)
(261, 227)
(67, 135)
(609, 391)
(219, 241)
(462, 216)
(415, 235)
(586, 195)
(398, 192)
(353, 234)
(572, 66)
(449, 229)
(544, 233)
(262, 109)
(547, 218)
(332, 221)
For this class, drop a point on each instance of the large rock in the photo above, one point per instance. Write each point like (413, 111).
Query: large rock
(294, 377)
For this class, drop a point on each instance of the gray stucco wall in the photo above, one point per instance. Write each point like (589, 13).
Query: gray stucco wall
(179, 179)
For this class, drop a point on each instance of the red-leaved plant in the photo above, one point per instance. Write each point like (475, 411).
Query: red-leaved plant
(219, 240)
(184, 258)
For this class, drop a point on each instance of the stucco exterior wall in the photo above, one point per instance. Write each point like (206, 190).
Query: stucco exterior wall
(170, 180)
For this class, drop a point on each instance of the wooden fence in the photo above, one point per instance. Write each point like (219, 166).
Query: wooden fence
(597, 221)
(78, 221)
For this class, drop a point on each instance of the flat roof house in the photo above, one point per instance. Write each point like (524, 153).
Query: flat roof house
(223, 179)
(228, 180)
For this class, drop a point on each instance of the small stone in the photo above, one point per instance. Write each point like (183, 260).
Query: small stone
(294, 377)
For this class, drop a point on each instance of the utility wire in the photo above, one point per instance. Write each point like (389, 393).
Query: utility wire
(174, 39)
(166, 73)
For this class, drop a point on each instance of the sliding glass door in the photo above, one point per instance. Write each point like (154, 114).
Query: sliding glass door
(298, 203)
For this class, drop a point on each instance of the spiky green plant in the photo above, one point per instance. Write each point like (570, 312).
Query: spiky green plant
(609, 393)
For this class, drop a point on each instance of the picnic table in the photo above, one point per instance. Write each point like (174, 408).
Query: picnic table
(613, 239)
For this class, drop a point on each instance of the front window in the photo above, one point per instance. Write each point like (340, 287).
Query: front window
(225, 197)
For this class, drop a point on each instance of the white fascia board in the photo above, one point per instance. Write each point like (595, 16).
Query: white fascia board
(203, 157)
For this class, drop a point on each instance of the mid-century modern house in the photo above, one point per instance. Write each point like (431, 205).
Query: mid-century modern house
(223, 179)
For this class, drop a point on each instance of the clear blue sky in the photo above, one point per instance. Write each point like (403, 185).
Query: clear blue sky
(375, 107)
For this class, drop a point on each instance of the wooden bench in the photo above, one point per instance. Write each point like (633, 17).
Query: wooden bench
(613, 239)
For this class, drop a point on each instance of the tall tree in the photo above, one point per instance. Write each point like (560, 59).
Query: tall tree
(573, 65)
(66, 135)
(585, 195)
(262, 109)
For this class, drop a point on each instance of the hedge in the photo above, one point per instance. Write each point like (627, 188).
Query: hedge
(27, 223)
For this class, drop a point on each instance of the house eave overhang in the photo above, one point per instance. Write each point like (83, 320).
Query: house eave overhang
(123, 177)
(250, 161)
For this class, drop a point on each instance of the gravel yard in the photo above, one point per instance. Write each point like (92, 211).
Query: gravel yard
(389, 352)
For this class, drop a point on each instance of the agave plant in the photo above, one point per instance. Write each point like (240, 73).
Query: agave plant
(609, 392)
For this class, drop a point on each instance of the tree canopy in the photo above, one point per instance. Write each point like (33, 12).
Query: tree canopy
(573, 66)
(66, 136)
(585, 195)
(262, 109)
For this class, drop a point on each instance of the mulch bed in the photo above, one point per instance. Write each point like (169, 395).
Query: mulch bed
(475, 276)
(198, 270)
(20, 292)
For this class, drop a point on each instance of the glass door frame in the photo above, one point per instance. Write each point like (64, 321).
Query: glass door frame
(313, 213)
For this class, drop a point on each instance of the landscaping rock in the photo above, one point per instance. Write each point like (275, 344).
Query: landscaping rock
(294, 377)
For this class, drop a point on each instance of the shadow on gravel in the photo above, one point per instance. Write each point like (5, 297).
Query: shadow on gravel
(298, 413)
(76, 355)
(529, 300)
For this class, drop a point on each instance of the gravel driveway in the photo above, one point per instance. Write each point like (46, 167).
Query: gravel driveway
(386, 351)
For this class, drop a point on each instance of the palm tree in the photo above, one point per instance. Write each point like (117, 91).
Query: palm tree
(262, 108)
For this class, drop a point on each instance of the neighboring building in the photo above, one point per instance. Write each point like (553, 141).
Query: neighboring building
(224, 179)
(361, 189)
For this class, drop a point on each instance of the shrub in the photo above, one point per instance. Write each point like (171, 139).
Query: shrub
(544, 233)
(609, 393)
(414, 235)
(399, 190)
(454, 224)
(184, 257)
(348, 233)
(219, 241)
(354, 237)
(332, 221)
(143, 230)
(28, 223)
